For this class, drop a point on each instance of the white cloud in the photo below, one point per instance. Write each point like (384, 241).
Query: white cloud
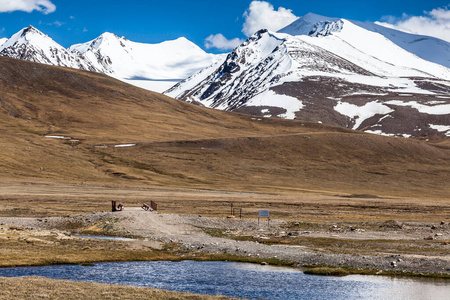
(262, 15)
(222, 43)
(434, 23)
(44, 6)
(58, 23)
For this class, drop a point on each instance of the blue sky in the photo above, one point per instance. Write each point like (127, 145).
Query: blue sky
(214, 25)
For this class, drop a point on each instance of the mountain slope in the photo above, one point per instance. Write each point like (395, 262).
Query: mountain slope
(66, 125)
(331, 71)
(152, 66)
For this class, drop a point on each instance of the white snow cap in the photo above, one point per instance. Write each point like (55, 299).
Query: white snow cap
(425, 47)
(153, 66)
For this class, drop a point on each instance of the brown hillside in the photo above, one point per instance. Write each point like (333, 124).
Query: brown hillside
(183, 145)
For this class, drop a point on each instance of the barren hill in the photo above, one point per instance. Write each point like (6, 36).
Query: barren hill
(64, 125)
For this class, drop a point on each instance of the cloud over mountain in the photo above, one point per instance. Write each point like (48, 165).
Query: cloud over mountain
(434, 23)
(262, 15)
(220, 42)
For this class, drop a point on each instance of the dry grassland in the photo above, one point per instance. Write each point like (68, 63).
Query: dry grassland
(43, 288)
(182, 145)
(41, 200)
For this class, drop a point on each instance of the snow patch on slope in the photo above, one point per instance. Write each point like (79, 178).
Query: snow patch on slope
(442, 109)
(361, 113)
(270, 98)
(441, 128)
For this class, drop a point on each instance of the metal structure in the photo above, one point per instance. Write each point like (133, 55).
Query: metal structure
(153, 206)
(264, 213)
(116, 208)
(236, 209)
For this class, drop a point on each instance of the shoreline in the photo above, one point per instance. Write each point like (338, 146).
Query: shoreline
(324, 250)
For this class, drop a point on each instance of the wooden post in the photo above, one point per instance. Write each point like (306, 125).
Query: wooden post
(113, 204)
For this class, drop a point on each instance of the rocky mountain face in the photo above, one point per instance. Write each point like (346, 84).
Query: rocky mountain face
(152, 66)
(356, 75)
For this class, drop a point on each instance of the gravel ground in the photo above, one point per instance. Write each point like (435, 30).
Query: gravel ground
(186, 229)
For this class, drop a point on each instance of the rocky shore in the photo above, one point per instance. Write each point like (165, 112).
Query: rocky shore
(412, 247)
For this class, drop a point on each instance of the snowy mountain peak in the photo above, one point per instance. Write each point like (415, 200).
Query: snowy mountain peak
(106, 40)
(31, 44)
(29, 35)
(307, 24)
(428, 48)
(333, 71)
(31, 29)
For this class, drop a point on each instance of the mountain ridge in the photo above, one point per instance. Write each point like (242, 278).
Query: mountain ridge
(333, 72)
(413, 43)
(151, 66)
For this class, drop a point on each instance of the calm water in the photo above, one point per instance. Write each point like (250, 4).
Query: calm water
(242, 280)
(101, 237)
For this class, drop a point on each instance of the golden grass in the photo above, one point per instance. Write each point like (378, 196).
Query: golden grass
(44, 288)
(41, 200)
(24, 248)
(324, 270)
(362, 246)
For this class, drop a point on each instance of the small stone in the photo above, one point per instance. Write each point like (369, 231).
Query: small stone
(442, 223)
(429, 238)
(433, 227)
(393, 264)
(264, 263)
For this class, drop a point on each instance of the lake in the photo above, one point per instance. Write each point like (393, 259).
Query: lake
(242, 280)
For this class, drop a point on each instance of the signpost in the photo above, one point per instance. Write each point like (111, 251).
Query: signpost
(264, 213)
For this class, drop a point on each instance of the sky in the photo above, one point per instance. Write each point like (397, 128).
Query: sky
(217, 26)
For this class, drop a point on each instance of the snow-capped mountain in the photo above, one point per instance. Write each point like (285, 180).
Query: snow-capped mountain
(31, 44)
(357, 75)
(167, 62)
(153, 66)
(2, 41)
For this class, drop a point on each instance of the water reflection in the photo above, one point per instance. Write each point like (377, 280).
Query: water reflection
(242, 280)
